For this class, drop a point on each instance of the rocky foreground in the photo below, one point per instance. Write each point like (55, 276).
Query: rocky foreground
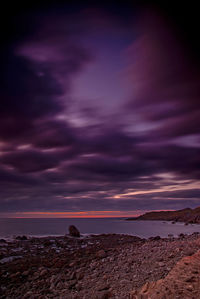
(100, 266)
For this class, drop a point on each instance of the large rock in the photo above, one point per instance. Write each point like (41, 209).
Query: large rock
(73, 231)
(21, 238)
(181, 282)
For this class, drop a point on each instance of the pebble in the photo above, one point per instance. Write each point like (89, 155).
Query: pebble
(101, 253)
(43, 272)
(102, 287)
(161, 264)
(25, 273)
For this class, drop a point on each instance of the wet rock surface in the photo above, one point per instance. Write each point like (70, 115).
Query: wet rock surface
(97, 266)
(73, 231)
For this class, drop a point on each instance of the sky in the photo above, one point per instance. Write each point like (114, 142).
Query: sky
(99, 109)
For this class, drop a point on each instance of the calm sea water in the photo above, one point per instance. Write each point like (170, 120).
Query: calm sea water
(46, 227)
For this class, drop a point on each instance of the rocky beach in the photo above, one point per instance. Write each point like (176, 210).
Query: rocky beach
(100, 266)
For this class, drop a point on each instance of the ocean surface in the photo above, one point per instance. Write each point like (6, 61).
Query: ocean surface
(59, 226)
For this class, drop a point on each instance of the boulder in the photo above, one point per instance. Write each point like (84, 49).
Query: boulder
(170, 235)
(73, 231)
(2, 241)
(155, 238)
(21, 238)
(182, 236)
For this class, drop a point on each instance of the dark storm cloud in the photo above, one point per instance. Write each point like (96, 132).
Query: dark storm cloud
(166, 90)
(59, 153)
(52, 134)
(102, 168)
(170, 158)
(30, 160)
(31, 89)
(112, 142)
(31, 95)
(10, 178)
(25, 97)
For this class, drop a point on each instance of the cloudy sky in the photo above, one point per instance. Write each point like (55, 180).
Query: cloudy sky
(99, 109)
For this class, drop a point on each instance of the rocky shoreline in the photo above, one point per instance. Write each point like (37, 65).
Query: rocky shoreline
(96, 266)
(187, 216)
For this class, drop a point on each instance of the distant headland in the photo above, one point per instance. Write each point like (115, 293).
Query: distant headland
(186, 215)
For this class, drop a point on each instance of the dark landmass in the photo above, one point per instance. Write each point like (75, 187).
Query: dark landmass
(186, 215)
(100, 267)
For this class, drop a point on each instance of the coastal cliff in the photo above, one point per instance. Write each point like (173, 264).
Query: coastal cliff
(186, 215)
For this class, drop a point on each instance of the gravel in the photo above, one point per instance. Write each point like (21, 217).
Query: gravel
(98, 266)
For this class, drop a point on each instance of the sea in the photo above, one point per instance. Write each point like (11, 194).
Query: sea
(12, 227)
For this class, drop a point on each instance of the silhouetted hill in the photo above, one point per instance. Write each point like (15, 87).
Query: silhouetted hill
(186, 215)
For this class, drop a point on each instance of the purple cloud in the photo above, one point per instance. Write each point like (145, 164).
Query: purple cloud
(95, 105)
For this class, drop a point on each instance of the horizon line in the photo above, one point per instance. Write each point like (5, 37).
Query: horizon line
(80, 214)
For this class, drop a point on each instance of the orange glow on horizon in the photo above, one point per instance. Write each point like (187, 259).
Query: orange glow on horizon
(82, 214)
